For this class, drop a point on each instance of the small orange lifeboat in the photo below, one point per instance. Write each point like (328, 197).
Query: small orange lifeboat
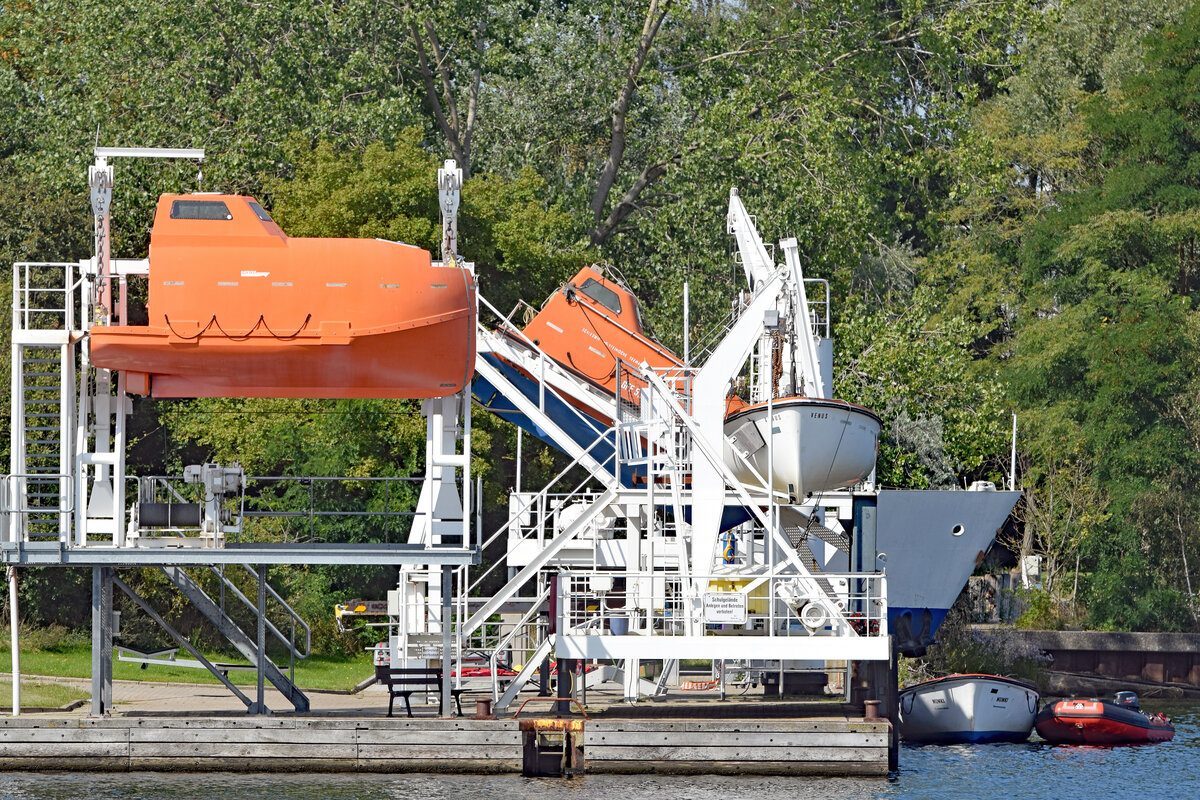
(239, 309)
(590, 324)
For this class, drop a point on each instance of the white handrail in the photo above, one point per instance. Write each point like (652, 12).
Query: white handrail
(504, 642)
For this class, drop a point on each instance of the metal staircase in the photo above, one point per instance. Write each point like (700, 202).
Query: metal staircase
(245, 644)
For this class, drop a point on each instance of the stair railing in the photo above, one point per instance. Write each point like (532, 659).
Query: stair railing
(521, 625)
(289, 642)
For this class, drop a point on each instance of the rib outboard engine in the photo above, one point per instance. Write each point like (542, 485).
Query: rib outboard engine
(1127, 700)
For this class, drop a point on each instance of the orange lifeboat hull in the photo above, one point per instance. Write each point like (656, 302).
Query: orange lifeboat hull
(238, 309)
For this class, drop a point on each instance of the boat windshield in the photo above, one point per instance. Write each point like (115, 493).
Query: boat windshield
(637, 314)
(200, 209)
(602, 295)
(259, 211)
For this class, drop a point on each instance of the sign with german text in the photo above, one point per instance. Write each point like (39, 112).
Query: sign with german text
(725, 608)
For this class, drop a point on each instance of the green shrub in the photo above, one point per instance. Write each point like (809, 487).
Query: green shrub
(962, 648)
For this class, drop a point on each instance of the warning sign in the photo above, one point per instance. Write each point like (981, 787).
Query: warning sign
(726, 608)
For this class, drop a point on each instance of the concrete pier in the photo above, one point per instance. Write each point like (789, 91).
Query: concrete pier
(195, 728)
(825, 746)
(1090, 662)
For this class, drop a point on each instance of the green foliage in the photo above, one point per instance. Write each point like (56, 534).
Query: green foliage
(35, 694)
(523, 245)
(52, 638)
(1039, 612)
(944, 415)
(374, 193)
(1095, 228)
(963, 648)
(52, 597)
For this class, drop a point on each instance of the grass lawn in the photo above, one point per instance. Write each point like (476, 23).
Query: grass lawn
(75, 660)
(42, 695)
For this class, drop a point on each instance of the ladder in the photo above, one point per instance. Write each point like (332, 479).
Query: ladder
(42, 401)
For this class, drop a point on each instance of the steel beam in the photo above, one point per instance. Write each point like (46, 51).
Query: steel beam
(102, 633)
(447, 653)
(54, 554)
(260, 705)
(150, 152)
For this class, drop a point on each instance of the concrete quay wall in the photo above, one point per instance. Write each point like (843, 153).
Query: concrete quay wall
(1152, 659)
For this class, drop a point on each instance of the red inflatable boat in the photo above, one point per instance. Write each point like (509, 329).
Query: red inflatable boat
(1102, 722)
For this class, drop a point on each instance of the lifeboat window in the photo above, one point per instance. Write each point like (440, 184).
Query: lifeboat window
(259, 211)
(602, 295)
(200, 209)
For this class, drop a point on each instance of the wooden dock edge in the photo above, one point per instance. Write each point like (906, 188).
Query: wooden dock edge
(324, 744)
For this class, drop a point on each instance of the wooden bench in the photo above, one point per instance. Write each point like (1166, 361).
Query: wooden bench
(403, 681)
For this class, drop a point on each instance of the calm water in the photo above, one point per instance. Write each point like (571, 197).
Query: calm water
(1003, 772)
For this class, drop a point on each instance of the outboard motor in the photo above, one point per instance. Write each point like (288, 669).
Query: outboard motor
(1127, 700)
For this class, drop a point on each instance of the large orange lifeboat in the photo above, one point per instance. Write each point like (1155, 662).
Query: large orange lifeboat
(239, 309)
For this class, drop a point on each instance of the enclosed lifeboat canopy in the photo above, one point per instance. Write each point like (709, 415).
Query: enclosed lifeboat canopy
(590, 324)
(239, 309)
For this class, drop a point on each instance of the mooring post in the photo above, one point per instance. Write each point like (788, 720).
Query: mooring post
(562, 677)
(102, 615)
(566, 675)
(447, 622)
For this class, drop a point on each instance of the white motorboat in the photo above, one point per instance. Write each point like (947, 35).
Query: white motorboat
(817, 445)
(968, 708)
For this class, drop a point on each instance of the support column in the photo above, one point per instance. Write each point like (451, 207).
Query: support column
(633, 674)
(566, 673)
(892, 704)
(447, 653)
(14, 640)
(260, 701)
(102, 617)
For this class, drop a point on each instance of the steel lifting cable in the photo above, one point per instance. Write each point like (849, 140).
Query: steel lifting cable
(239, 337)
(832, 460)
(776, 361)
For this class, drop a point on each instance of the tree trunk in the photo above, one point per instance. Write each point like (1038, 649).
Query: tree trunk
(655, 15)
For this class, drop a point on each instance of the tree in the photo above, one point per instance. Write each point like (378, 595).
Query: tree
(944, 415)
(1089, 214)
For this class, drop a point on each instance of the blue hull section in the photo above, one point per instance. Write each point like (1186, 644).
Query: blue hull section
(582, 429)
(975, 737)
(913, 628)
